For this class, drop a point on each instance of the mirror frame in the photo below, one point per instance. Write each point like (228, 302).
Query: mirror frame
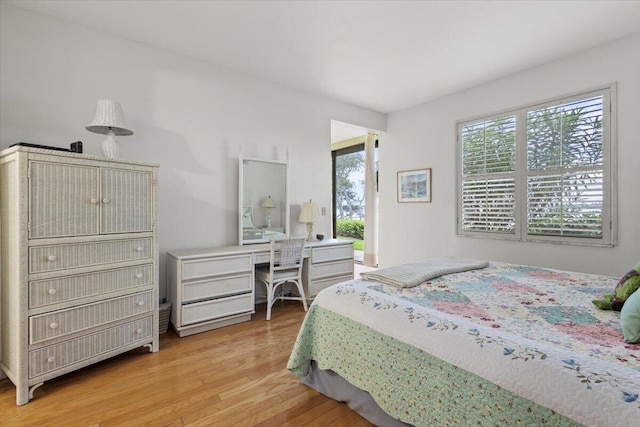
(241, 180)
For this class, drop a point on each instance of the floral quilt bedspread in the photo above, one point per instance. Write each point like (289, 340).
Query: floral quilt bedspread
(533, 332)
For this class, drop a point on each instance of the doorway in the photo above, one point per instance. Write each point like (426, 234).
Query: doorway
(349, 187)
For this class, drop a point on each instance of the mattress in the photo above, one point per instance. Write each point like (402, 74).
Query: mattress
(504, 345)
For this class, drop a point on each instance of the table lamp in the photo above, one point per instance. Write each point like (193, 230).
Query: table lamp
(309, 214)
(109, 120)
(268, 204)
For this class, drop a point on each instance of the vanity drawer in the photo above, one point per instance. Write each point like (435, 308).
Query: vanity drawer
(216, 266)
(265, 257)
(329, 269)
(63, 289)
(63, 322)
(221, 307)
(216, 287)
(67, 353)
(59, 257)
(332, 253)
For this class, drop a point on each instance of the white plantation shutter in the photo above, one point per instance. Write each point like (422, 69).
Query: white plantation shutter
(565, 187)
(488, 170)
(488, 205)
(540, 173)
(565, 205)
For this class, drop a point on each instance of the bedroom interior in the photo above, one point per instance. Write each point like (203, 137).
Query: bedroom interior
(188, 231)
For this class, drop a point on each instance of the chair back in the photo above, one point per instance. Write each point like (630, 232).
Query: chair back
(287, 254)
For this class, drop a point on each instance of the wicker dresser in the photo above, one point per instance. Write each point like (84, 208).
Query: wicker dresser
(79, 278)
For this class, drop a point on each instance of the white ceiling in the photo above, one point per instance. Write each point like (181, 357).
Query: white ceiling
(380, 55)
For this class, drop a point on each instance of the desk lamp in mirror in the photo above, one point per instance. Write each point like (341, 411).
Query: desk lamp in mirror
(263, 194)
(268, 204)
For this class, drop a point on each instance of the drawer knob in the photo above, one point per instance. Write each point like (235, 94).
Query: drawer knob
(105, 200)
(54, 325)
(139, 331)
(139, 249)
(51, 359)
(94, 201)
(140, 303)
(139, 276)
(52, 291)
(51, 258)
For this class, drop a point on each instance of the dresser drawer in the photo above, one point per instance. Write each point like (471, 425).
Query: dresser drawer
(216, 287)
(47, 292)
(63, 322)
(59, 257)
(329, 269)
(67, 353)
(318, 285)
(331, 253)
(208, 310)
(216, 266)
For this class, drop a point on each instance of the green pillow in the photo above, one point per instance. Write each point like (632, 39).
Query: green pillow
(630, 318)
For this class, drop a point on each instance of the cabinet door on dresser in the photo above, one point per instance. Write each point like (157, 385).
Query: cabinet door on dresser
(63, 200)
(126, 201)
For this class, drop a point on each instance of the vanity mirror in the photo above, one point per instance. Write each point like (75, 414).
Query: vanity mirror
(263, 200)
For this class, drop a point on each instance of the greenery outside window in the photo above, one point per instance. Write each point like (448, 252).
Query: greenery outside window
(540, 173)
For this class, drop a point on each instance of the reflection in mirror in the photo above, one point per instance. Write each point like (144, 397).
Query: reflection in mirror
(263, 200)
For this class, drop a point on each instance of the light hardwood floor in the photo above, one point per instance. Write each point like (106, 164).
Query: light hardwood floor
(233, 376)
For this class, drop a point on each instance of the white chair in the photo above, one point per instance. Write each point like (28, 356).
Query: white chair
(285, 265)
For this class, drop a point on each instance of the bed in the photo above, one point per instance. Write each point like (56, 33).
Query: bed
(501, 345)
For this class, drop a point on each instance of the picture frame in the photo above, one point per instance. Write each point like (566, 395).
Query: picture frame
(414, 186)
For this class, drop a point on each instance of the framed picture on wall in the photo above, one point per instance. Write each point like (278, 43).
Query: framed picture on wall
(414, 186)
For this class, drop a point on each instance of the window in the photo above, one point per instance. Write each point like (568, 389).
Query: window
(540, 173)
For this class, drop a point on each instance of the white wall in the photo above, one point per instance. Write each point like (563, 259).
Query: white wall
(190, 117)
(424, 136)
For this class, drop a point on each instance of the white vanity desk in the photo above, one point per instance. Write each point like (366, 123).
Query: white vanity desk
(211, 288)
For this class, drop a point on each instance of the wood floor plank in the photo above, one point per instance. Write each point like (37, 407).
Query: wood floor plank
(310, 415)
(230, 415)
(270, 412)
(289, 416)
(233, 376)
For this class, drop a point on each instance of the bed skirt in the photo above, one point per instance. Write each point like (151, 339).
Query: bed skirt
(334, 386)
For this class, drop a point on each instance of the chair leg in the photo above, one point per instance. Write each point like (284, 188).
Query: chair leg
(302, 295)
(269, 289)
(269, 299)
(272, 297)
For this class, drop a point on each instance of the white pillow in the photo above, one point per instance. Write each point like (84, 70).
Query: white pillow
(630, 318)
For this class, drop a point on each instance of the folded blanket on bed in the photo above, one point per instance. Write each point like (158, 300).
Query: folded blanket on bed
(415, 273)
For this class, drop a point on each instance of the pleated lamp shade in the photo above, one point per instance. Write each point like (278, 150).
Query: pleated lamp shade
(109, 116)
(268, 203)
(309, 214)
(109, 120)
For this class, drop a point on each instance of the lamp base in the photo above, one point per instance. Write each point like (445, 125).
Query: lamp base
(310, 231)
(110, 147)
